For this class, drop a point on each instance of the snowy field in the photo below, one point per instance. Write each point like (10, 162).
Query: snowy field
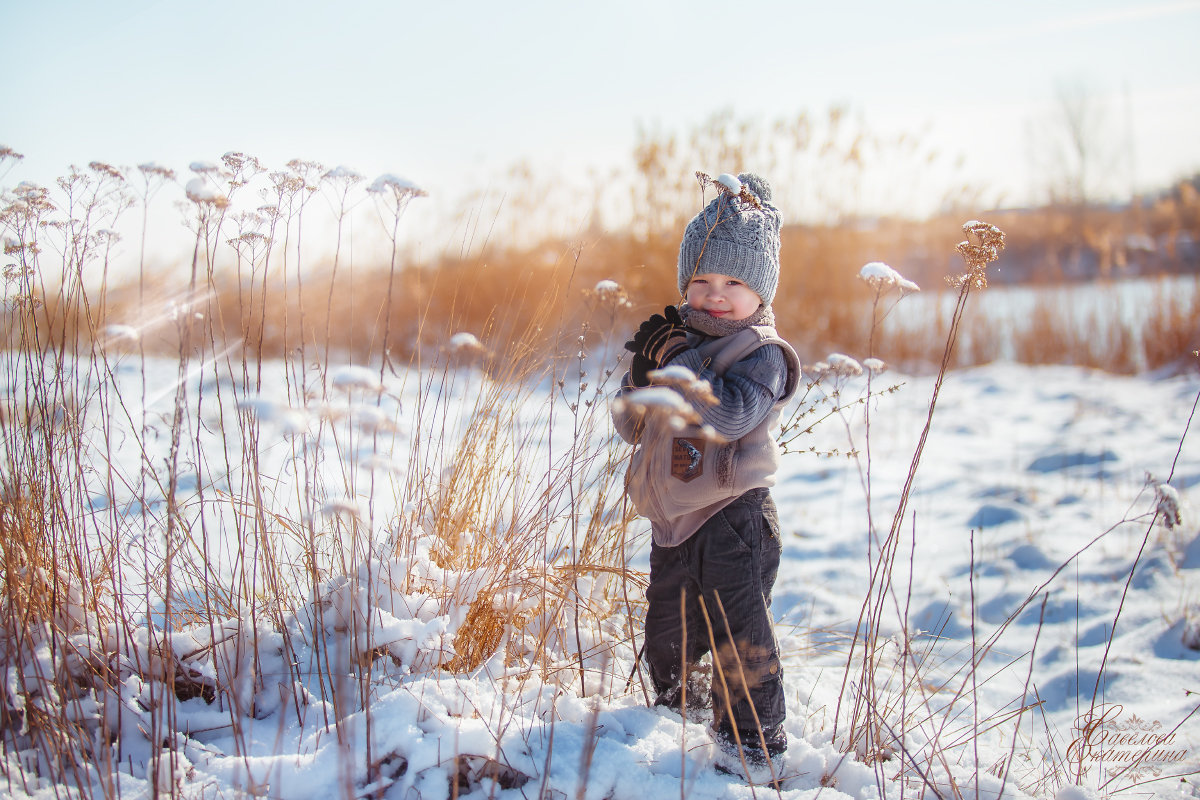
(1030, 594)
(1031, 505)
(300, 579)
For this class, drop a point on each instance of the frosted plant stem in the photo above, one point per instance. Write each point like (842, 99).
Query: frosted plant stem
(173, 510)
(744, 683)
(1012, 748)
(719, 670)
(916, 766)
(974, 668)
(637, 657)
(684, 668)
(1136, 560)
(871, 610)
(588, 750)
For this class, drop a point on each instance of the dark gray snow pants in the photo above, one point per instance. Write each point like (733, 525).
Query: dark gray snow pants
(733, 558)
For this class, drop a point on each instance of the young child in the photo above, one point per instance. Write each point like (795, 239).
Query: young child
(715, 528)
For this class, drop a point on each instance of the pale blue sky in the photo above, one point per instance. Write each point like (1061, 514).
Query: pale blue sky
(449, 94)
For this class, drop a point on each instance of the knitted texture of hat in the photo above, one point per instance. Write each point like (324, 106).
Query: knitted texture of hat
(733, 237)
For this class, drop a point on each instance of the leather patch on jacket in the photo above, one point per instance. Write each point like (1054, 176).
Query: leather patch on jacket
(687, 458)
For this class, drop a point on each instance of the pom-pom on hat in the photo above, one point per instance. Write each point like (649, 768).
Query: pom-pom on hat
(737, 234)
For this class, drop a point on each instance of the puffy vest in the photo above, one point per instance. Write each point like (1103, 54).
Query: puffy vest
(678, 479)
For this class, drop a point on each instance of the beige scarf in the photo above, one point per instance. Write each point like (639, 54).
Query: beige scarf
(714, 326)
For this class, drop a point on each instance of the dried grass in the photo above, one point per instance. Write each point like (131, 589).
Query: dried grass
(201, 547)
(536, 563)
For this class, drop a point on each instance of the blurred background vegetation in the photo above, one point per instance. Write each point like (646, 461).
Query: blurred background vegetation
(1089, 277)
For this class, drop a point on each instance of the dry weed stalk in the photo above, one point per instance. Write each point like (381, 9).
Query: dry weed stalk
(882, 710)
(296, 549)
(278, 583)
(867, 730)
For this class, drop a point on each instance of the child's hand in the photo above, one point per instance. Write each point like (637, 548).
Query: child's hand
(658, 340)
(640, 369)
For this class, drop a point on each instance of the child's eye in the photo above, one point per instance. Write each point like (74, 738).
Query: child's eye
(734, 283)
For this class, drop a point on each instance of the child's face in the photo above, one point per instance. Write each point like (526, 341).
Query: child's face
(722, 296)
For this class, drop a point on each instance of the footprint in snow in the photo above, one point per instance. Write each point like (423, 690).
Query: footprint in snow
(991, 516)
(1056, 462)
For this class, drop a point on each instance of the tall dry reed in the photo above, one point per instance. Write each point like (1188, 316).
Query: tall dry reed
(215, 523)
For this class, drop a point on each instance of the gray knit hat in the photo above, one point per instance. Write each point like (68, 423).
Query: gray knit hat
(737, 234)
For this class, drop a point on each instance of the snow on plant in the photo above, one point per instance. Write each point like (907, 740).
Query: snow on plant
(201, 192)
(838, 365)
(8, 154)
(392, 194)
(353, 378)
(378, 462)
(693, 389)
(658, 400)
(343, 507)
(822, 398)
(1167, 504)
(154, 169)
(396, 185)
(344, 174)
(610, 292)
(288, 420)
(205, 167)
(883, 279)
(107, 170)
(370, 419)
(879, 276)
(118, 331)
(869, 723)
(731, 183)
(673, 397)
(463, 344)
(731, 187)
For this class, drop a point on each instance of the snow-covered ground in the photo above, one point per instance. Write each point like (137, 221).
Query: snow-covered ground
(1027, 571)
(1031, 505)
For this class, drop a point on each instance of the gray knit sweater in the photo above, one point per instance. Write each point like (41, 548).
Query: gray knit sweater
(677, 479)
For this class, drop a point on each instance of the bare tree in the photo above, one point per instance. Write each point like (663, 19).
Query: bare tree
(1077, 148)
(1079, 153)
